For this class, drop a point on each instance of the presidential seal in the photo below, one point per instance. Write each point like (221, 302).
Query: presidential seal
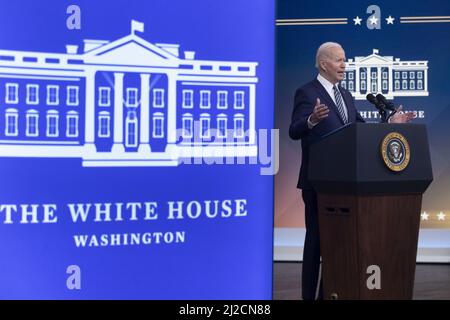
(395, 151)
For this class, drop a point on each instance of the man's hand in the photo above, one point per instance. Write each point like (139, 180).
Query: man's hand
(404, 117)
(319, 113)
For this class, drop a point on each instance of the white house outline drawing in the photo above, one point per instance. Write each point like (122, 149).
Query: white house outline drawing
(386, 75)
(105, 123)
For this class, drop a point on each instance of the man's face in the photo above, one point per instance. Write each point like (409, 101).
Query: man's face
(334, 65)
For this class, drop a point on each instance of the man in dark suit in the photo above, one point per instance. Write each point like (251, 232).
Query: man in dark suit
(320, 107)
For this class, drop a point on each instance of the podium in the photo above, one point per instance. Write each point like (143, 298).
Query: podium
(369, 179)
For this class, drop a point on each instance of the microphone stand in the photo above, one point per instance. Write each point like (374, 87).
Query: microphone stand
(391, 114)
(385, 106)
(384, 116)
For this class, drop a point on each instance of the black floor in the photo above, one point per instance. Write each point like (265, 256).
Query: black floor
(432, 281)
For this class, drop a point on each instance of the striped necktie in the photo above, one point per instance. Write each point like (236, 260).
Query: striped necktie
(340, 104)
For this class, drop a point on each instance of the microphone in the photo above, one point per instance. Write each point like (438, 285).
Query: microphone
(388, 105)
(378, 104)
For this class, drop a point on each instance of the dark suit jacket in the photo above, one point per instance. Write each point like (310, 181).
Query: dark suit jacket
(305, 100)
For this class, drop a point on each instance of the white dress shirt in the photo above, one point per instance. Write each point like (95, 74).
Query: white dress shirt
(328, 86)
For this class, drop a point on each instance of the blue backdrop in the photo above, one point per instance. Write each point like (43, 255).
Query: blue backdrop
(413, 33)
(225, 257)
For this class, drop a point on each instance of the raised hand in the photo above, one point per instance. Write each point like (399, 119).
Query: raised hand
(402, 117)
(319, 113)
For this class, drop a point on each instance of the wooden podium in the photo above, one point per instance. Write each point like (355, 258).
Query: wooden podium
(370, 179)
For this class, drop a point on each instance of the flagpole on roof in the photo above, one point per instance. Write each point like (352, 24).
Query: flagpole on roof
(136, 26)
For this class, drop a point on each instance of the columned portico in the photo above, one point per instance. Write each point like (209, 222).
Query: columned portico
(369, 79)
(378, 72)
(379, 79)
(390, 80)
(357, 86)
(90, 112)
(171, 114)
(106, 116)
(252, 98)
(144, 145)
(118, 114)
(171, 108)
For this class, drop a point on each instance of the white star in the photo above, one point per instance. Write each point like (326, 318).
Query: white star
(357, 20)
(424, 215)
(441, 216)
(390, 20)
(373, 20)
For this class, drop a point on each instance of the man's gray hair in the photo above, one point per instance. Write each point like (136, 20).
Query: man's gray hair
(323, 51)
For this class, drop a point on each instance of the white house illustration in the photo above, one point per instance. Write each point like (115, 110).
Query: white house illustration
(386, 75)
(125, 103)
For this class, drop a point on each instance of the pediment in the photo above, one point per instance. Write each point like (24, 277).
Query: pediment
(374, 59)
(132, 50)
